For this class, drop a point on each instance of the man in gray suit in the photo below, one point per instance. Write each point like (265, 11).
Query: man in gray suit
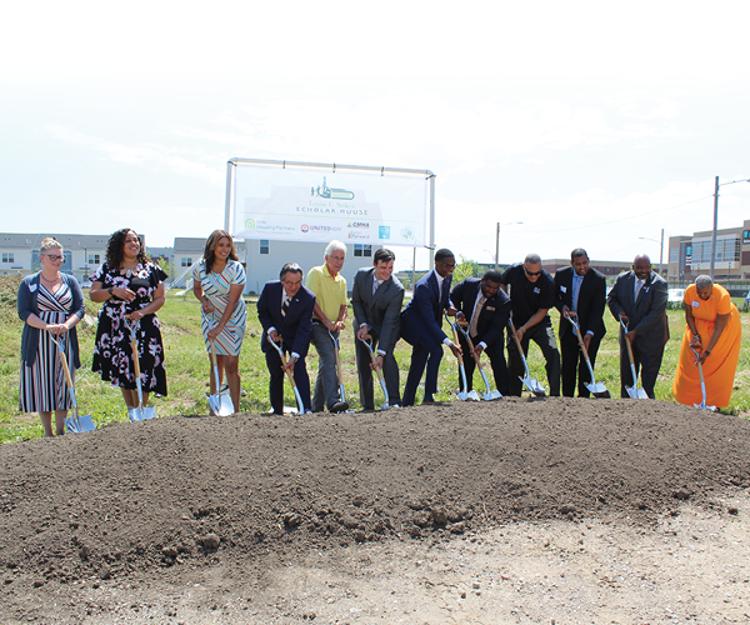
(377, 296)
(639, 298)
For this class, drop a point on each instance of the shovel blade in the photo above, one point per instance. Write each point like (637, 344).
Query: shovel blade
(598, 390)
(636, 393)
(462, 395)
(221, 405)
(533, 385)
(492, 395)
(144, 413)
(472, 395)
(80, 425)
(703, 406)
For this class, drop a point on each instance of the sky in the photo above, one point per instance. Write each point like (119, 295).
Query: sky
(593, 124)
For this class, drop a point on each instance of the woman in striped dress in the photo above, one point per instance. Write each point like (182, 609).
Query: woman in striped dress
(51, 304)
(218, 282)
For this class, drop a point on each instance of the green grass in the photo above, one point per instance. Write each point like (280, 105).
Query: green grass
(188, 367)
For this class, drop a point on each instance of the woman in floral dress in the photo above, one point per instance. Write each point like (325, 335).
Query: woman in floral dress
(132, 289)
(218, 282)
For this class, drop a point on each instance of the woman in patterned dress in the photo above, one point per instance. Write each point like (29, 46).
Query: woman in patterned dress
(51, 304)
(218, 282)
(132, 289)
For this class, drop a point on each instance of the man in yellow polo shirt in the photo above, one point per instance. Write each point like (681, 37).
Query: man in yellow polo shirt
(329, 316)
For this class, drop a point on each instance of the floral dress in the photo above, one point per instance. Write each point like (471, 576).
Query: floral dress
(112, 352)
(216, 287)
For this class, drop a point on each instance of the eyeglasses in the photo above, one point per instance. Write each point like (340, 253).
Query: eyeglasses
(532, 273)
(54, 257)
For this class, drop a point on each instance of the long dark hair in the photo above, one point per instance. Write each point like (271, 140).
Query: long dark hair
(116, 243)
(209, 253)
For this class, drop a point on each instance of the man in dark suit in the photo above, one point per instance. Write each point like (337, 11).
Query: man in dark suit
(486, 308)
(639, 298)
(580, 293)
(421, 327)
(285, 310)
(377, 296)
(531, 296)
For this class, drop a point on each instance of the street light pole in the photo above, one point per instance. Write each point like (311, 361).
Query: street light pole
(497, 240)
(661, 253)
(716, 222)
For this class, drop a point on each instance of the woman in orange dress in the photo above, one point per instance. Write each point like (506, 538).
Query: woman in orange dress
(713, 331)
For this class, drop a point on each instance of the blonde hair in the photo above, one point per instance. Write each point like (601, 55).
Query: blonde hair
(49, 243)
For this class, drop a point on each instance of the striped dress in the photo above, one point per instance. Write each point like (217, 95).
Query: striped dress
(216, 287)
(43, 387)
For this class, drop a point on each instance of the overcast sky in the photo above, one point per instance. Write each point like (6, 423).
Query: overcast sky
(592, 123)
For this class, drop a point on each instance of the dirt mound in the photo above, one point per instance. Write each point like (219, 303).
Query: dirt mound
(179, 493)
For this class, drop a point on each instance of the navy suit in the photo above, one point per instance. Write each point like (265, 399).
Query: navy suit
(490, 325)
(421, 327)
(295, 329)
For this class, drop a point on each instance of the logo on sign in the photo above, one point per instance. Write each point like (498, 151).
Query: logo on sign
(304, 228)
(384, 232)
(250, 224)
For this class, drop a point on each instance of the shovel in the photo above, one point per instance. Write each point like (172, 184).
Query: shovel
(702, 405)
(141, 413)
(220, 403)
(634, 392)
(339, 373)
(463, 394)
(489, 394)
(386, 404)
(597, 389)
(532, 384)
(290, 375)
(75, 424)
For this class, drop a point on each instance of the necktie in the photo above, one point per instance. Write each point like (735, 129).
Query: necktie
(638, 286)
(475, 315)
(375, 285)
(285, 306)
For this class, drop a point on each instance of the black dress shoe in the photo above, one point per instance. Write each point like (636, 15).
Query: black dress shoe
(339, 406)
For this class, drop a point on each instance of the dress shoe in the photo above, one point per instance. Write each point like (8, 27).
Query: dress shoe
(339, 406)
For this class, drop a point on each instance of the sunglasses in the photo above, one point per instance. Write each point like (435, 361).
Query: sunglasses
(532, 273)
(54, 257)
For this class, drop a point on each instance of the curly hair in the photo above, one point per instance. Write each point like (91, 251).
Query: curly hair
(209, 253)
(117, 242)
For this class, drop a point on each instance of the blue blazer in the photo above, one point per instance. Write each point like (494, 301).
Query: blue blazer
(296, 327)
(422, 319)
(27, 304)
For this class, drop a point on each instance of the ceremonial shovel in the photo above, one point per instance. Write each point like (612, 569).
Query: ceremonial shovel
(220, 403)
(75, 424)
(463, 394)
(141, 413)
(386, 404)
(339, 373)
(530, 383)
(597, 389)
(702, 405)
(489, 394)
(289, 374)
(634, 392)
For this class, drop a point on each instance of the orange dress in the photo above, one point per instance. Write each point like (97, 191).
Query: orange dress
(721, 364)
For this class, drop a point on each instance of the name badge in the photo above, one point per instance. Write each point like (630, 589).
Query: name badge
(32, 287)
(563, 289)
(492, 308)
(695, 304)
(537, 290)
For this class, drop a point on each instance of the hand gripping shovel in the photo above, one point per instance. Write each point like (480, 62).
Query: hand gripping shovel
(489, 394)
(75, 424)
(702, 405)
(220, 403)
(300, 406)
(386, 404)
(634, 392)
(463, 394)
(530, 383)
(141, 413)
(597, 389)
(339, 373)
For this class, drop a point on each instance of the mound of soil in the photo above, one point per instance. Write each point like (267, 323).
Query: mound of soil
(176, 494)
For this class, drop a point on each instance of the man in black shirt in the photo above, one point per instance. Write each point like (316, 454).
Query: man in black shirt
(531, 295)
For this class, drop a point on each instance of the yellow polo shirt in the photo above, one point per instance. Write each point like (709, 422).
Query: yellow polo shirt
(330, 292)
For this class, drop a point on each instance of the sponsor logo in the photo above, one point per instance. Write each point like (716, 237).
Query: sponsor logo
(359, 224)
(320, 228)
(407, 233)
(360, 236)
(384, 232)
(304, 228)
(250, 224)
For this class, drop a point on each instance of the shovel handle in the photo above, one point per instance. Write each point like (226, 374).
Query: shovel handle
(336, 350)
(64, 363)
(136, 358)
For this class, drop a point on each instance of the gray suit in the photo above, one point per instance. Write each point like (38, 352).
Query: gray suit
(381, 312)
(648, 318)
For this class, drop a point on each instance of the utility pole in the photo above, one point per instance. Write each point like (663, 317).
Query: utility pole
(497, 246)
(716, 223)
(661, 253)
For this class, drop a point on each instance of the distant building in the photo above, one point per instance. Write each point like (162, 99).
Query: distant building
(690, 255)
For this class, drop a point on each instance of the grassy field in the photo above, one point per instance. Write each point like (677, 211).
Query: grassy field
(188, 368)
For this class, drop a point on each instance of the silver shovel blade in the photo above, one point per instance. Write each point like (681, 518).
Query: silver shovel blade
(533, 385)
(462, 395)
(704, 406)
(636, 393)
(473, 395)
(492, 395)
(221, 405)
(80, 425)
(144, 413)
(598, 389)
